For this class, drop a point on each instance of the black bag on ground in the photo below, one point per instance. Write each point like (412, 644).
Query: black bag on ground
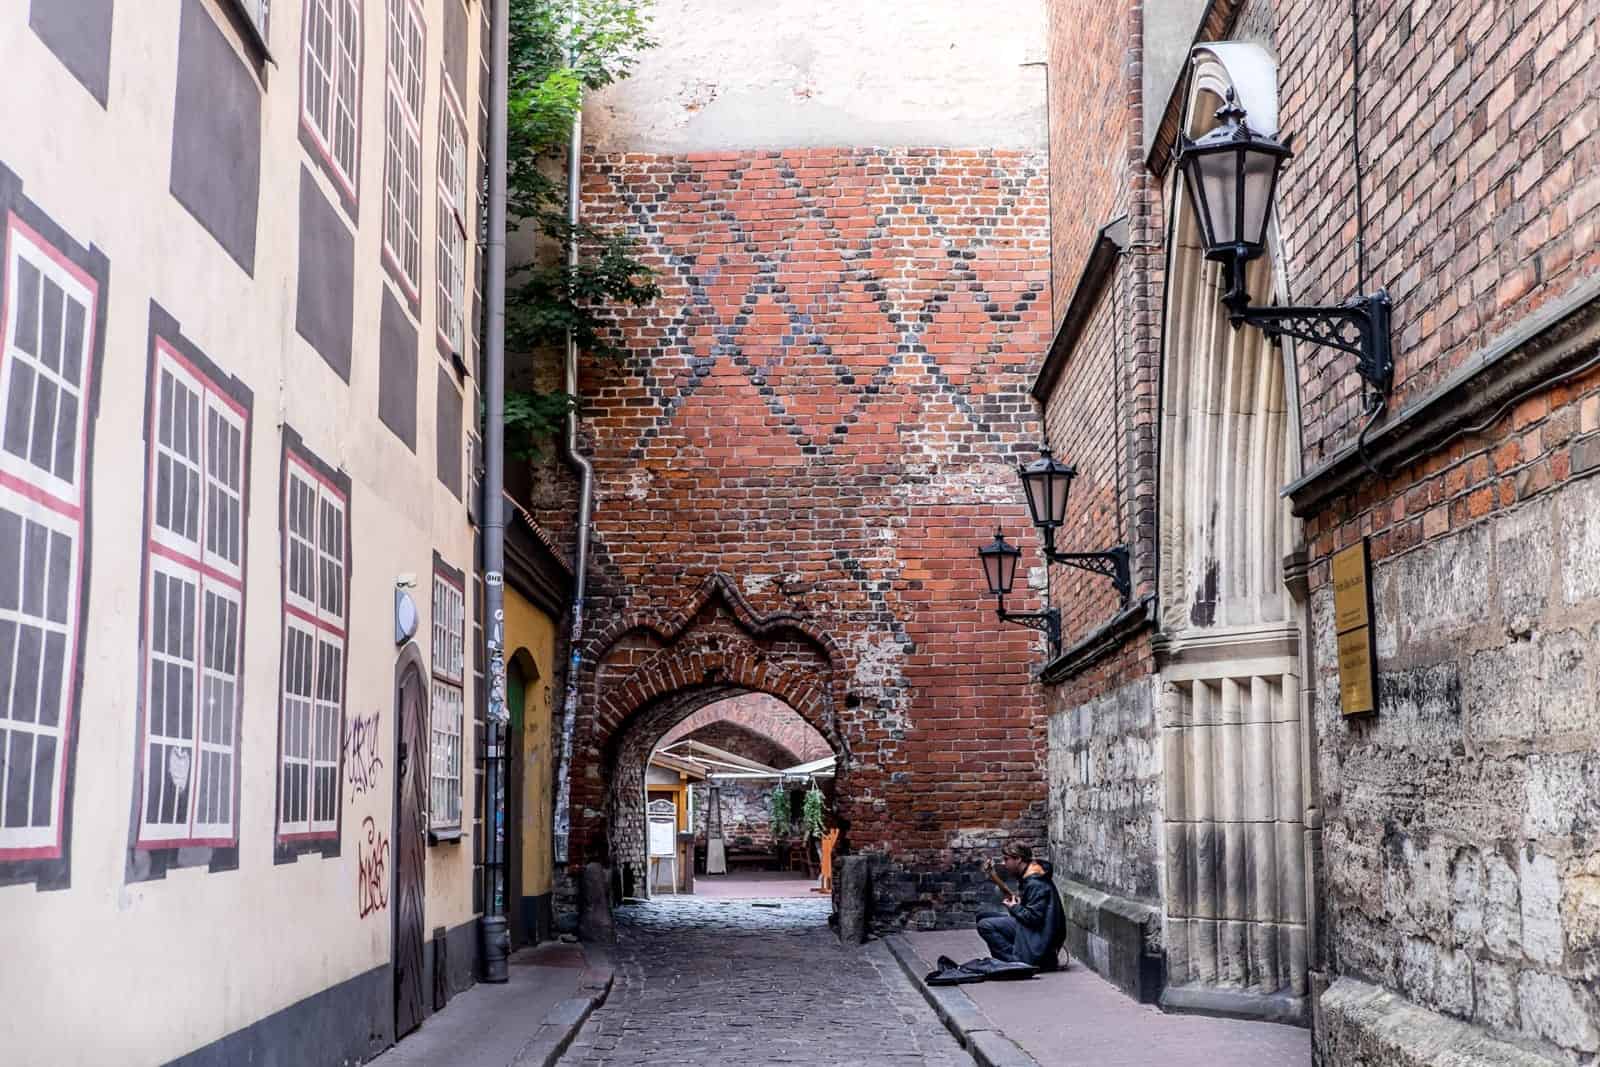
(983, 969)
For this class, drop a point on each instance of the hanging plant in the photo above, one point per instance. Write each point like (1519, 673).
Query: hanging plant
(811, 814)
(778, 801)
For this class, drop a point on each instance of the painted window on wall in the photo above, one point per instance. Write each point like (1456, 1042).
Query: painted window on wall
(449, 647)
(330, 96)
(452, 224)
(315, 593)
(194, 607)
(45, 367)
(402, 169)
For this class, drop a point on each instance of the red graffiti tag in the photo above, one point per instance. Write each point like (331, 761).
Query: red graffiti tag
(372, 882)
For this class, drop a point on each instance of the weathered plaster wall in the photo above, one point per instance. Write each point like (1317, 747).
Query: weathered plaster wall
(798, 73)
(1463, 821)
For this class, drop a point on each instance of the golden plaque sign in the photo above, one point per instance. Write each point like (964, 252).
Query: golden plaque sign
(1352, 621)
(1350, 588)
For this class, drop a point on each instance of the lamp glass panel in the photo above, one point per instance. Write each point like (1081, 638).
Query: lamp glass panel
(991, 572)
(1219, 173)
(1008, 570)
(1260, 172)
(1060, 483)
(1037, 486)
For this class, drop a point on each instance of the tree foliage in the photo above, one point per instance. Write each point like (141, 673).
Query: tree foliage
(559, 50)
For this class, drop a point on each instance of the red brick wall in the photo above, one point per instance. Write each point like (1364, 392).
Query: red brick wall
(826, 406)
(1088, 47)
(1482, 186)
(1087, 419)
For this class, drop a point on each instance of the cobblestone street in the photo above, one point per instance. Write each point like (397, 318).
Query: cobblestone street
(736, 982)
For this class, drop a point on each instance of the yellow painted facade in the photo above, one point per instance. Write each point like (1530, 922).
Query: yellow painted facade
(530, 647)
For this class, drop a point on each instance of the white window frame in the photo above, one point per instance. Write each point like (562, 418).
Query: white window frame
(405, 46)
(315, 744)
(446, 760)
(330, 99)
(175, 556)
(452, 221)
(54, 503)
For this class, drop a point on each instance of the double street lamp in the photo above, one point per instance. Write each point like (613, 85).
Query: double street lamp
(1231, 174)
(1046, 483)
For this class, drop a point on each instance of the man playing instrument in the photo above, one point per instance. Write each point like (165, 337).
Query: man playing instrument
(1034, 926)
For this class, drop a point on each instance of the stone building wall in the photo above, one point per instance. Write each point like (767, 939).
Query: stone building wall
(1449, 861)
(1462, 852)
(1105, 793)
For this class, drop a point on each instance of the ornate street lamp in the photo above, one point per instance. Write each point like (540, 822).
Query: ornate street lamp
(1000, 571)
(1046, 483)
(1231, 174)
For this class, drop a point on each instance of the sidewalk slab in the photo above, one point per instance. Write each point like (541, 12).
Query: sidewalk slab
(526, 1022)
(1075, 1018)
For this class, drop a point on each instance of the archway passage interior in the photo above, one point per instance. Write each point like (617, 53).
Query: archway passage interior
(706, 763)
(748, 787)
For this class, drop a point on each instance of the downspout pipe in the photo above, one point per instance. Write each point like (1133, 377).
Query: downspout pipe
(496, 940)
(584, 469)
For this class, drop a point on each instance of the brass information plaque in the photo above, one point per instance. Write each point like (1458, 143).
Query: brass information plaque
(1352, 615)
(1355, 672)
(1350, 588)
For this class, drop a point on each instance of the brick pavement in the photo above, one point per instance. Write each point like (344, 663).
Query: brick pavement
(727, 982)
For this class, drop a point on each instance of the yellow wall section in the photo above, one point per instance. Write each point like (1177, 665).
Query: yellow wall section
(532, 633)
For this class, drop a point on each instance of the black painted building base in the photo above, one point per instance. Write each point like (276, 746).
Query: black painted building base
(348, 1023)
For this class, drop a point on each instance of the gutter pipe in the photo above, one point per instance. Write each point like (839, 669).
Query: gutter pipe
(584, 469)
(496, 939)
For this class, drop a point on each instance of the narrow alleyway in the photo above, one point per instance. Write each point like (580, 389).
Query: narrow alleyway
(739, 982)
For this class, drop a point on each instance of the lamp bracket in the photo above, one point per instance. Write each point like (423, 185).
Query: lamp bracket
(1360, 327)
(1112, 563)
(1047, 622)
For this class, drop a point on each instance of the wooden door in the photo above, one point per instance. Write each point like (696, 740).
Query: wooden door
(410, 852)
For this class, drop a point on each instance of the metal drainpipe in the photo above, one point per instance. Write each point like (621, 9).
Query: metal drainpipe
(585, 471)
(496, 939)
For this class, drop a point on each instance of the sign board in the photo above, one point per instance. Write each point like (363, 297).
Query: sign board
(663, 837)
(1352, 621)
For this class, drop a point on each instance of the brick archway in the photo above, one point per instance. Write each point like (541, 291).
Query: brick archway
(647, 672)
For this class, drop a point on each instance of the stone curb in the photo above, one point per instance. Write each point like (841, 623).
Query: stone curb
(558, 1029)
(987, 1046)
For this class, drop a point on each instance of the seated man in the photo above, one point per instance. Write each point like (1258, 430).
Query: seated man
(1034, 927)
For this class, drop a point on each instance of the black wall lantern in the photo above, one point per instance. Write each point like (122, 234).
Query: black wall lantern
(1046, 483)
(1231, 174)
(1000, 571)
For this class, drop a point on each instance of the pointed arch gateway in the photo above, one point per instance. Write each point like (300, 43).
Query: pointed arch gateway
(648, 672)
(1230, 649)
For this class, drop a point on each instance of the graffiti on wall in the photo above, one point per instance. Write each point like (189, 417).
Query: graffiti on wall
(372, 869)
(362, 761)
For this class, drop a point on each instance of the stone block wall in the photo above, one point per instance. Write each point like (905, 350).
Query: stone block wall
(1463, 821)
(1105, 792)
(746, 814)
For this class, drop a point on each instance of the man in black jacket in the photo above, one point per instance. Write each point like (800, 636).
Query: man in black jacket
(1034, 927)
